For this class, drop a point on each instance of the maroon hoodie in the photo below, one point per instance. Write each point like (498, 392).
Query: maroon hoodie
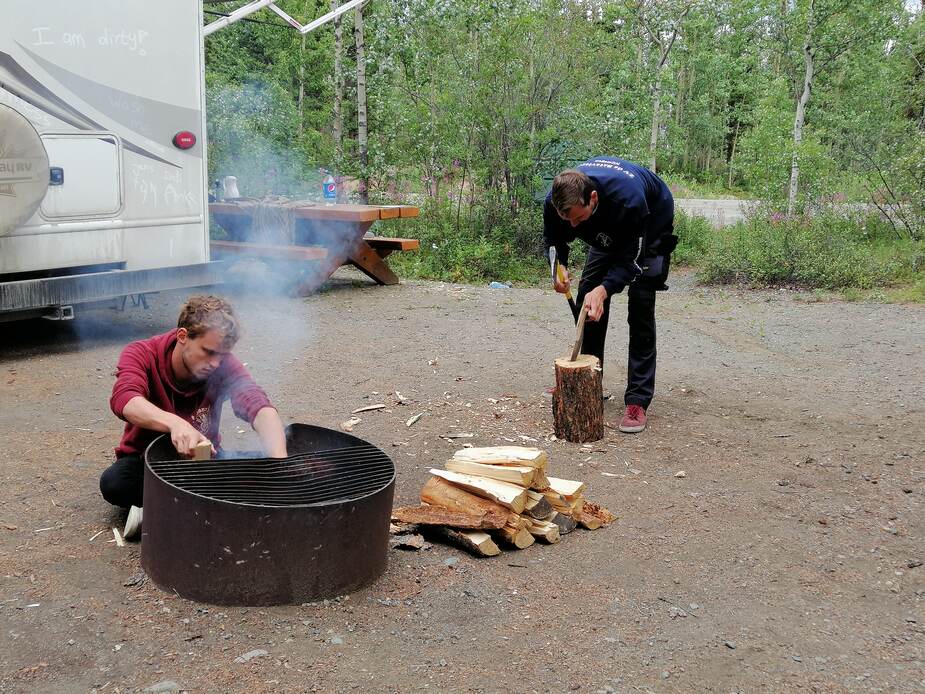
(144, 369)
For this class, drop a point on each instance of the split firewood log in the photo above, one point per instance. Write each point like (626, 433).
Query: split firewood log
(474, 541)
(563, 504)
(510, 495)
(518, 537)
(598, 511)
(567, 488)
(503, 455)
(544, 530)
(439, 492)
(540, 481)
(537, 506)
(564, 522)
(586, 520)
(522, 475)
(436, 515)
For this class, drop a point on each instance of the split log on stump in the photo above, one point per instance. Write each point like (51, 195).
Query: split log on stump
(510, 495)
(439, 492)
(473, 541)
(435, 515)
(577, 401)
(503, 455)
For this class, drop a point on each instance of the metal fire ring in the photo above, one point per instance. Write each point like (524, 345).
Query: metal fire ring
(265, 531)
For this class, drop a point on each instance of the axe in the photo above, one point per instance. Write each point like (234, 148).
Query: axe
(557, 272)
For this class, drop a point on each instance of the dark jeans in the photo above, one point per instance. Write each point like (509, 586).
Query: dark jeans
(640, 371)
(121, 484)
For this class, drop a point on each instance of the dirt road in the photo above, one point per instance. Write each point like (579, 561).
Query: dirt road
(789, 558)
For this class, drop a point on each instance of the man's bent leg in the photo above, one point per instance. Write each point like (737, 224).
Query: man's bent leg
(640, 372)
(121, 484)
(596, 267)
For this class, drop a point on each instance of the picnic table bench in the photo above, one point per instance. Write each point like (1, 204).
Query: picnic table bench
(330, 235)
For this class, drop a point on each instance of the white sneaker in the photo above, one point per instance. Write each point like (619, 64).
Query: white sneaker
(132, 523)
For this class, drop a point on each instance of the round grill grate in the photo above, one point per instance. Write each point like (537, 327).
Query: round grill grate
(320, 477)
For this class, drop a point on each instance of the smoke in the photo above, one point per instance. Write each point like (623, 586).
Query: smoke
(252, 130)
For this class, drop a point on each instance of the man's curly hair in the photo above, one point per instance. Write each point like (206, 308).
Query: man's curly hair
(206, 312)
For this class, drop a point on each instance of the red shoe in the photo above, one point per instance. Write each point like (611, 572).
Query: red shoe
(634, 420)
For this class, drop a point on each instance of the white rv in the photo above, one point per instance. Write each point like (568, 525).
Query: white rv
(103, 172)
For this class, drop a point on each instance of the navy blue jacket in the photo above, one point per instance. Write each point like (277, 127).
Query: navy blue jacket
(633, 221)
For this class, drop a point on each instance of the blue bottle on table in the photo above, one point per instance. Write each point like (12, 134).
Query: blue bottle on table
(329, 188)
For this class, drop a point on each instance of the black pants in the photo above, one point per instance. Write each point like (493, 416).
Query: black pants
(640, 369)
(122, 483)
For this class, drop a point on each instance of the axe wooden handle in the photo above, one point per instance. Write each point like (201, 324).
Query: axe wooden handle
(580, 333)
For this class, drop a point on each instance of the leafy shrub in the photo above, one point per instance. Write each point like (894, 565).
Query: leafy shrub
(694, 237)
(830, 251)
(471, 251)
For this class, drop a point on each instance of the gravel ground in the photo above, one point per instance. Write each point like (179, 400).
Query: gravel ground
(788, 558)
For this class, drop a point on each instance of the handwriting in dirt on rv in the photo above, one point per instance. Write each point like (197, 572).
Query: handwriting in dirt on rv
(122, 38)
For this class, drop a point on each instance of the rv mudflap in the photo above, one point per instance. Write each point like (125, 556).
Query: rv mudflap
(30, 295)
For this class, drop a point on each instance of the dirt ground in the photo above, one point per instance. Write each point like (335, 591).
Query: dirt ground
(788, 558)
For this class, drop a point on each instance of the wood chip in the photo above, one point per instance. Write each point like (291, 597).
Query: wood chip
(116, 534)
(350, 423)
(413, 419)
(97, 535)
(414, 542)
(368, 408)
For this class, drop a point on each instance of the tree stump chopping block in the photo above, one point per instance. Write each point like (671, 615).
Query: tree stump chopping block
(577, 402)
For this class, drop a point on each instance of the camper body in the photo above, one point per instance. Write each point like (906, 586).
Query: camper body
(103, 172)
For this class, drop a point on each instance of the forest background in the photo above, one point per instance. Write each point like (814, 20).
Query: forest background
(813, 109)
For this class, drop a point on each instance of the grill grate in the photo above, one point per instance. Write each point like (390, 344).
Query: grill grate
(334, 475)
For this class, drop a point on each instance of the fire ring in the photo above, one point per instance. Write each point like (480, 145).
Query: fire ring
(264, 531)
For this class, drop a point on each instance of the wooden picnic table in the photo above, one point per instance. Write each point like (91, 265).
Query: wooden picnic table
(332, 235)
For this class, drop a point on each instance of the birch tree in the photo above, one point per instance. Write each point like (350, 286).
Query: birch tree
(362, 134)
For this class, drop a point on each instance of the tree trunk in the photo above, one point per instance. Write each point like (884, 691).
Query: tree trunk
(361, 107)
(800, 117)
(301, 85)
(338, 100)
(577, 402)
(656, 106)
(732, 154)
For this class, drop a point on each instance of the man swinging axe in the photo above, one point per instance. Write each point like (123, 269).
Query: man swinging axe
(625, 214)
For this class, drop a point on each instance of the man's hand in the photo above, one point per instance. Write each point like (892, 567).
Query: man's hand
(594, 302)
(186, 437)
(562, 282)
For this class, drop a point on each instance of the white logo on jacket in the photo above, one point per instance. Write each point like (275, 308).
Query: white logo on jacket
(604, 240)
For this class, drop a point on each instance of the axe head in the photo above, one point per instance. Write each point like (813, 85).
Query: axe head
(553, 261)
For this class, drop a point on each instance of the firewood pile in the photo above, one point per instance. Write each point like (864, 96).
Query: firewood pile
(498, 494)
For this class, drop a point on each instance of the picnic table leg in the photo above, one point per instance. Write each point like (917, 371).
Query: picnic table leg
(367, 260)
